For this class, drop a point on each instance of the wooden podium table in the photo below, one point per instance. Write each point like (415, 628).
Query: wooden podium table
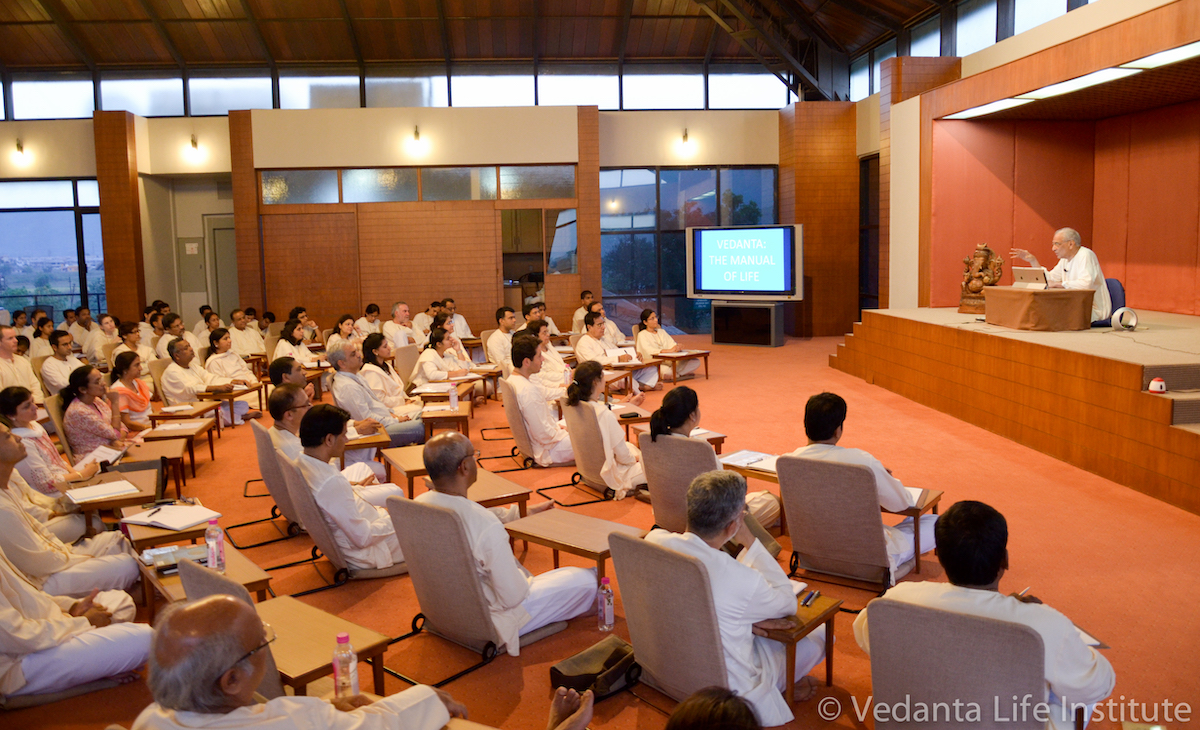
(1039, 310)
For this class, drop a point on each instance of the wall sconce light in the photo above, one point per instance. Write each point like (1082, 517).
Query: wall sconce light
(20, 157)
(685, 139)
(685, 147)
(196, 146)
(193, 152)
(416, 147)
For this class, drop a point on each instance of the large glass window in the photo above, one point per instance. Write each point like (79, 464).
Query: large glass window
(645, 89)
(731, 88)
(52, 99)
(144, 97)
(562, 242)
(51, 252)
(568, 86)
(927, 38)
(1032, 13)
(382, 185)
(976, 29)
(643, 243)
(422, 88)
(537, 181)
(299, 186)
(491, 90)
(216, 96)
(458, 183)
(318, 92)
(860, 78)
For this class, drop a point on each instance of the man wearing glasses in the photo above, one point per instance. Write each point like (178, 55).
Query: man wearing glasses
(288, 404)
(520, 602)
(207, 660)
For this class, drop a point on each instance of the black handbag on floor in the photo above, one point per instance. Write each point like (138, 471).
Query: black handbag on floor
(606, 668)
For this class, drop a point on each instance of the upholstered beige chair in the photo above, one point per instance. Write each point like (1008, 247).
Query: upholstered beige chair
(588, 445)
(272, 477)
(444, 577)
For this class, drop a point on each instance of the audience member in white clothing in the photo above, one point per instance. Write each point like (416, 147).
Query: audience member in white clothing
(135, 396)
(594, 346)
(54, 643)
(68, 320)
(343, 333)
(444, 321)
(144, 326)
(207, 661)
(312, 331)
(613, 337)
(423, 322)
(518, 601)
(385, 382)
(549, 438)
(461, 328)
(57, 368)
(437, 361)
(174, 330)
(363, 531)
(824, 418)
(622, 470)
(291, 344)
(131, 341)
(105, 334)
(14, 369)
(201, 328)
(82, 326)
(288, 404)
(499, 344)
(369, 323)
(554, 377)
(246, 338)
(652, 339)
(751, 594)
(351, 391)
(226, 364)
(534, 311)
(43, 468)
(399, 330)
(183, 382)
(21, 324)
(585, 299)
(288, 370)
(39, 344)
(972, 542)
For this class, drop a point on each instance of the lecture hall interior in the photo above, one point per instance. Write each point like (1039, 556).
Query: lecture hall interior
(332, 154)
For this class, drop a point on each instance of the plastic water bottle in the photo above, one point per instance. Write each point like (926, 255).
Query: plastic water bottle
(567, 375)
(604, 606)
(454, 396)
(345, 668)
(214, 537)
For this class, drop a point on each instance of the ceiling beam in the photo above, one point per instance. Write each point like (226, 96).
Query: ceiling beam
(262, 40)
(62, 21)
(358, 56)
(809, 24)
(753, 29)
(445, 33)
(623, 39)
(862, 9)
(162, 32)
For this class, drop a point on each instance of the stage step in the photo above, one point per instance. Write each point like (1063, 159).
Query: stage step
(1179, 378)
(1185, 406)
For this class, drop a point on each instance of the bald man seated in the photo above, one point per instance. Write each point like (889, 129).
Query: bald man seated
(207, 659)
(519, 601)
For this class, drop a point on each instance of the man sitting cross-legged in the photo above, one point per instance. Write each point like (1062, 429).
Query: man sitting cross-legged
(363, 531)
(288, 404)
(207, 660)
(824, 417)
(519, 601)
(183, 383)
(750, 594)
(973, 550)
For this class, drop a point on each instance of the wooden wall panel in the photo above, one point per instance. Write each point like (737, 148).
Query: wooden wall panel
(901, 78)
(245, 213)
(587, 188)
(1086, 410)
(120, 214)
(313, 262)
(419, 252)
(819, 168)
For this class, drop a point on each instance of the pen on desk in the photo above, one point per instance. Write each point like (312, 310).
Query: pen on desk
(1022, 593)
(153, 511)
(815, 596)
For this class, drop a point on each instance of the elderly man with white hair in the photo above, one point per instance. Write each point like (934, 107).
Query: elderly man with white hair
(183, 383)
(399, 329)
(352, 392)
(208, 657)
(1077, 268)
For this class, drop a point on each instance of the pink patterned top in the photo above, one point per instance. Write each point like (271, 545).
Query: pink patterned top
(88, 427)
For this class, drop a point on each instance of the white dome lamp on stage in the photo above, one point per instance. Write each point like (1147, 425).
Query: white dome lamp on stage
(1124, 319)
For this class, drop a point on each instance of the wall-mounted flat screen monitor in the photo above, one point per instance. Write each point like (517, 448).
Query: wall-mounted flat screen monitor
(755, 263)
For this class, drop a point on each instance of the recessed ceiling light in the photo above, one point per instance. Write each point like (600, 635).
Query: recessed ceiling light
(995, 106)
(1093, 79)
(1175, 55)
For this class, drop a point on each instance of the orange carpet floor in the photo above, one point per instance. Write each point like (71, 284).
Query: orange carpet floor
(1117, 562)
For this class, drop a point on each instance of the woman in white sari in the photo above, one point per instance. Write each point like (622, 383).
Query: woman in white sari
(343, 332)
(291, 344)
(383, 379)
(622, 470)
(224, 362)
(653, 339)
(437, 361)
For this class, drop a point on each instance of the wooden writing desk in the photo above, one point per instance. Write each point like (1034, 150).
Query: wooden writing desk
(197, 410)
(611, 378)
(238, 568)
(677, 357)
(620, 409)
(305, 638)
(189, 432)
(571, 533)
(822, 611)
(1041, 310)
(716, 439)
(408, 460)
(234, 395)
(145, 481)
(456, 419)
(169, 449)
(377, 440)
(493, 490)
(145, 536)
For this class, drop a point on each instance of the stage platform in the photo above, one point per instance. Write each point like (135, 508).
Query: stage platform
(1077, 396)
